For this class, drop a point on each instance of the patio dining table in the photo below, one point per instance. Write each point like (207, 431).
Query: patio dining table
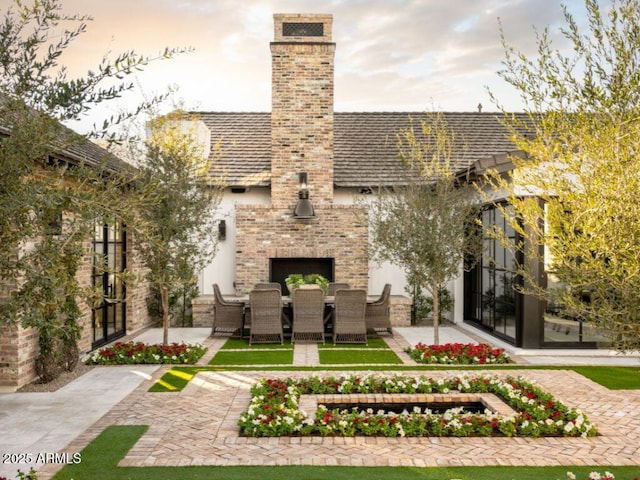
(286, 299)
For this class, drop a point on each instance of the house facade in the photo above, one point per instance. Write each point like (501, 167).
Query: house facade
(337, 161)
(122, 310)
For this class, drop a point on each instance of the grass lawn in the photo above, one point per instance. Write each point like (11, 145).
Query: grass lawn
(175, 379)
(355, 356)
(254, 357)
(375, 342)
(614, 378)
(375, 352)
(101, 456)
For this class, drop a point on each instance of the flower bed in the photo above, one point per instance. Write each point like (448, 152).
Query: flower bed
(140, 353)
(593, 476)
(458, 353)
(274, 411)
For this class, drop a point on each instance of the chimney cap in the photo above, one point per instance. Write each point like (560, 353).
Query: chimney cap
(299, 27)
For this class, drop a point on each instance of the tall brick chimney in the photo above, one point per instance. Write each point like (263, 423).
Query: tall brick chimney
(271, 241)
(302, 55)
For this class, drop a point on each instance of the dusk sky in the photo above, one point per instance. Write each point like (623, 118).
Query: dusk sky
(391, 55)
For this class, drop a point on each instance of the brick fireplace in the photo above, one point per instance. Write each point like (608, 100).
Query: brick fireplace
(301, 143)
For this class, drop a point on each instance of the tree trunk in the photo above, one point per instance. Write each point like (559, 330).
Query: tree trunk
(436, 314)
(164, 293)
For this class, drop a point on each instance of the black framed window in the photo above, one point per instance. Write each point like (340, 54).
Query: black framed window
(492, 299)
(109, 261)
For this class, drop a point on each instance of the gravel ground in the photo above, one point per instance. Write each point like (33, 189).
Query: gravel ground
(61, 381)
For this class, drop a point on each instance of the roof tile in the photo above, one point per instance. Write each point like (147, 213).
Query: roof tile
(365, 147)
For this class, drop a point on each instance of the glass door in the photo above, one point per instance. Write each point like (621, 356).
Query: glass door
(493, 299)
(109, 319)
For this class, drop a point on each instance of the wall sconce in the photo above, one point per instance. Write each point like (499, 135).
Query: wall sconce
(222, 230)
(303, 209)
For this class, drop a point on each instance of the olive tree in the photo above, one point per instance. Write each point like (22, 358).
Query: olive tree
(50, 196)
(576, 192)
(425, 224)
(179, 235)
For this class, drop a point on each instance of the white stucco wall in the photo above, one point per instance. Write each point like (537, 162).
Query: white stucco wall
(222, 269)
(386, 272)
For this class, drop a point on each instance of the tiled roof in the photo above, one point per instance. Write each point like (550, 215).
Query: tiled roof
(365, 148)
(94, 155)
(74, 148)
(245, 146)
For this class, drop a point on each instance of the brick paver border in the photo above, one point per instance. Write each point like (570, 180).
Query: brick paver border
(198, 426)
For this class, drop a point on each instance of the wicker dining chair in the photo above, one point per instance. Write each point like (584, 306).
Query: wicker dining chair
(349, 325)
(227, 316)
(285, 308)
(332, 287)
(378, 313)
(266, 316)
(308, 309)
(331, 292)
(267, 286)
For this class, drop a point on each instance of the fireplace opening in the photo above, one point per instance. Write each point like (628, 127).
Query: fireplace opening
(281, 268)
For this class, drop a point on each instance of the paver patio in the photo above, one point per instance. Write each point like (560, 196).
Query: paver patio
(198, 427)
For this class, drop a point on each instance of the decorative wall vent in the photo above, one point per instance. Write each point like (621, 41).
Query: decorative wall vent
(298, 29)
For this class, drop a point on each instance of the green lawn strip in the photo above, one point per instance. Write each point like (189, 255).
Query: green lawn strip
(243, 343)
(175, 379)
(614, 378)
(358, 356)
(101, 456)
(624, 378)
(375, 342)
(253, 357)
(100, 461)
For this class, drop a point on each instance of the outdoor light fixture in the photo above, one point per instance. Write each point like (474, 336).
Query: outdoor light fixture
(303, 209)
(222, 230)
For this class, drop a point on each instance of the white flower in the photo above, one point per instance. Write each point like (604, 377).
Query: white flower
(571, 476)
(594, 476)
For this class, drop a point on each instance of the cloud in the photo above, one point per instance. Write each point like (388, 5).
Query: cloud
(391, 54)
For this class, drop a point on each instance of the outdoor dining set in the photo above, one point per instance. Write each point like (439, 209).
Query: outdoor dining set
(309, 314)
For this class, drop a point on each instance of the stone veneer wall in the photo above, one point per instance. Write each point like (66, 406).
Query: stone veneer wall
(18, 349)
(19, 346)
(337, 231)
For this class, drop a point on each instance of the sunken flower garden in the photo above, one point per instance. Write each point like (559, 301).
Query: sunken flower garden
(275, 409)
